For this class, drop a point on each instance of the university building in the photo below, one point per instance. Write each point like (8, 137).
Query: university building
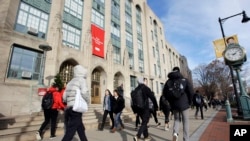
(116, 40)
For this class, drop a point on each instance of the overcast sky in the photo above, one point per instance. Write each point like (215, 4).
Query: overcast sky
(191, 26)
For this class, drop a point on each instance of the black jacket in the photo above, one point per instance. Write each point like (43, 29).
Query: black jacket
(148, 94)
(195, 102)
(185, 100)
(118, 104)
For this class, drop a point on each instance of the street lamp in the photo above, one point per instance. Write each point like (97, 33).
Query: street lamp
(45, 48)
(244, 20)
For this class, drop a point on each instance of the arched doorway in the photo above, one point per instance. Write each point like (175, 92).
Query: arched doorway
(118, 80)
(66, 70)
(97, 84)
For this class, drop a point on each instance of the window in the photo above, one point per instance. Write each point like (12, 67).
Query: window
(74, 7)
(115, 29)
(115, 9)
(97, 18)
(31, 20)
(71, 36)
(24, 63)
(154, 52)
(163, 57)
(133, 82)
(129, 40)
(117, 56)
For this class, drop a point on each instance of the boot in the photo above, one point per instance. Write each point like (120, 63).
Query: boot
(113, 130)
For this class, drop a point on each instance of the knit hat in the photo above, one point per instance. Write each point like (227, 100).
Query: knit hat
(176, 69)
(140, 80)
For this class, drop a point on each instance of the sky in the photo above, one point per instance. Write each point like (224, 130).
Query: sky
(191, 26)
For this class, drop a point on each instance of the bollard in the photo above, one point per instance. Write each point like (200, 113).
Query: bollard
(228, 110)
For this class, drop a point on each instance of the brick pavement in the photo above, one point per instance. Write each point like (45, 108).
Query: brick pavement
(219, 129)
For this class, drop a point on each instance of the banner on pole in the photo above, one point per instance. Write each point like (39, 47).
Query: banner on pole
(97, 41)
(219, 45)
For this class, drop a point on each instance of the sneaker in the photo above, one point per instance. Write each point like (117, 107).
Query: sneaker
(135, 138)
(147, 138)
(175, 137)
(52, 137)
(158, 124)
(38, 136)
(167, 127)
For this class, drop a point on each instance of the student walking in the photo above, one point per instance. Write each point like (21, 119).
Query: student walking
(198, 102)
(118, 105)
(165, 108)
(179, 92)
(153, 111)
(144, 113)
(50, 115)
(75, 118)
(107, 106)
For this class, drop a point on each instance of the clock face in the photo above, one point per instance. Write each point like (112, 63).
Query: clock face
(234, 54)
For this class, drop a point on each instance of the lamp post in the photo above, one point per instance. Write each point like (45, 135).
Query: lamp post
(244, 20)
(45, 48)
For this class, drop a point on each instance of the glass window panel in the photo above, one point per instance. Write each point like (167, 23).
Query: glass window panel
(31, 17)
(24, 60)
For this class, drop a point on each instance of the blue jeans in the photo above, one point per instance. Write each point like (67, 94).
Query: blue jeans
(118, 119)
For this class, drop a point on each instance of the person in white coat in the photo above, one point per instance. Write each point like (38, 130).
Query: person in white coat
(74, 119)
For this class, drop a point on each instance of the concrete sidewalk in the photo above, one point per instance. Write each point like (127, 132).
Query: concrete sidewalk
(197, 127)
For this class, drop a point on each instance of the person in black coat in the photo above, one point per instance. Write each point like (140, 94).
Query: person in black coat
(198, 102)
(165, 108)
(145, 114)
(118, 105)
(180, 106)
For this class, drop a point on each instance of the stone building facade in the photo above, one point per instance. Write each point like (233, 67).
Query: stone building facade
(116, 40)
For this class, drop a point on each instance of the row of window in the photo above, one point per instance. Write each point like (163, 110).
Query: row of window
(35, 21)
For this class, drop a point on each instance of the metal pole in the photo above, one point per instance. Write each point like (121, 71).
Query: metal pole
(230, 68)
(40, 81)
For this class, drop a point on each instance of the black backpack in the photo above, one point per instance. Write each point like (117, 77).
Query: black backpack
(175, 88)
(47, 100)
(137, 100)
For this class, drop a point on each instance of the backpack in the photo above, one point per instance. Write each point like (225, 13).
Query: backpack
(150, 104)
(47, 100)
(175, 88)
(198, 99)
(137, 100)
(164, 101)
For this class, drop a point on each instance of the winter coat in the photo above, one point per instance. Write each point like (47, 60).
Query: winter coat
(78, 82)
(148, 94)
(185, 100)
(196, 95)
(118, 104)
(57, 99)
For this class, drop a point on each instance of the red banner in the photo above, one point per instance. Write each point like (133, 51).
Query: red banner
(97, 41)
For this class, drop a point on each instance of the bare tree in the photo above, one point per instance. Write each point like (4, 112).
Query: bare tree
(213, 78)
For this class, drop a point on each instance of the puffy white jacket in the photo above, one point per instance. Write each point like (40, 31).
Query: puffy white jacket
(78, 81)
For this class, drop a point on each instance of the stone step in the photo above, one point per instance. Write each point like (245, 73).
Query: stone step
(24, 127)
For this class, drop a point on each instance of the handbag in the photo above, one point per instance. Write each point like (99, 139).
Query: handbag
(80, 104)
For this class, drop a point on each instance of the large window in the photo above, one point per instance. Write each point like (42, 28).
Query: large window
(117, 56)
(97, 18)
(74, 7)
(24, 63)
(31, 20)
(71, 36)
